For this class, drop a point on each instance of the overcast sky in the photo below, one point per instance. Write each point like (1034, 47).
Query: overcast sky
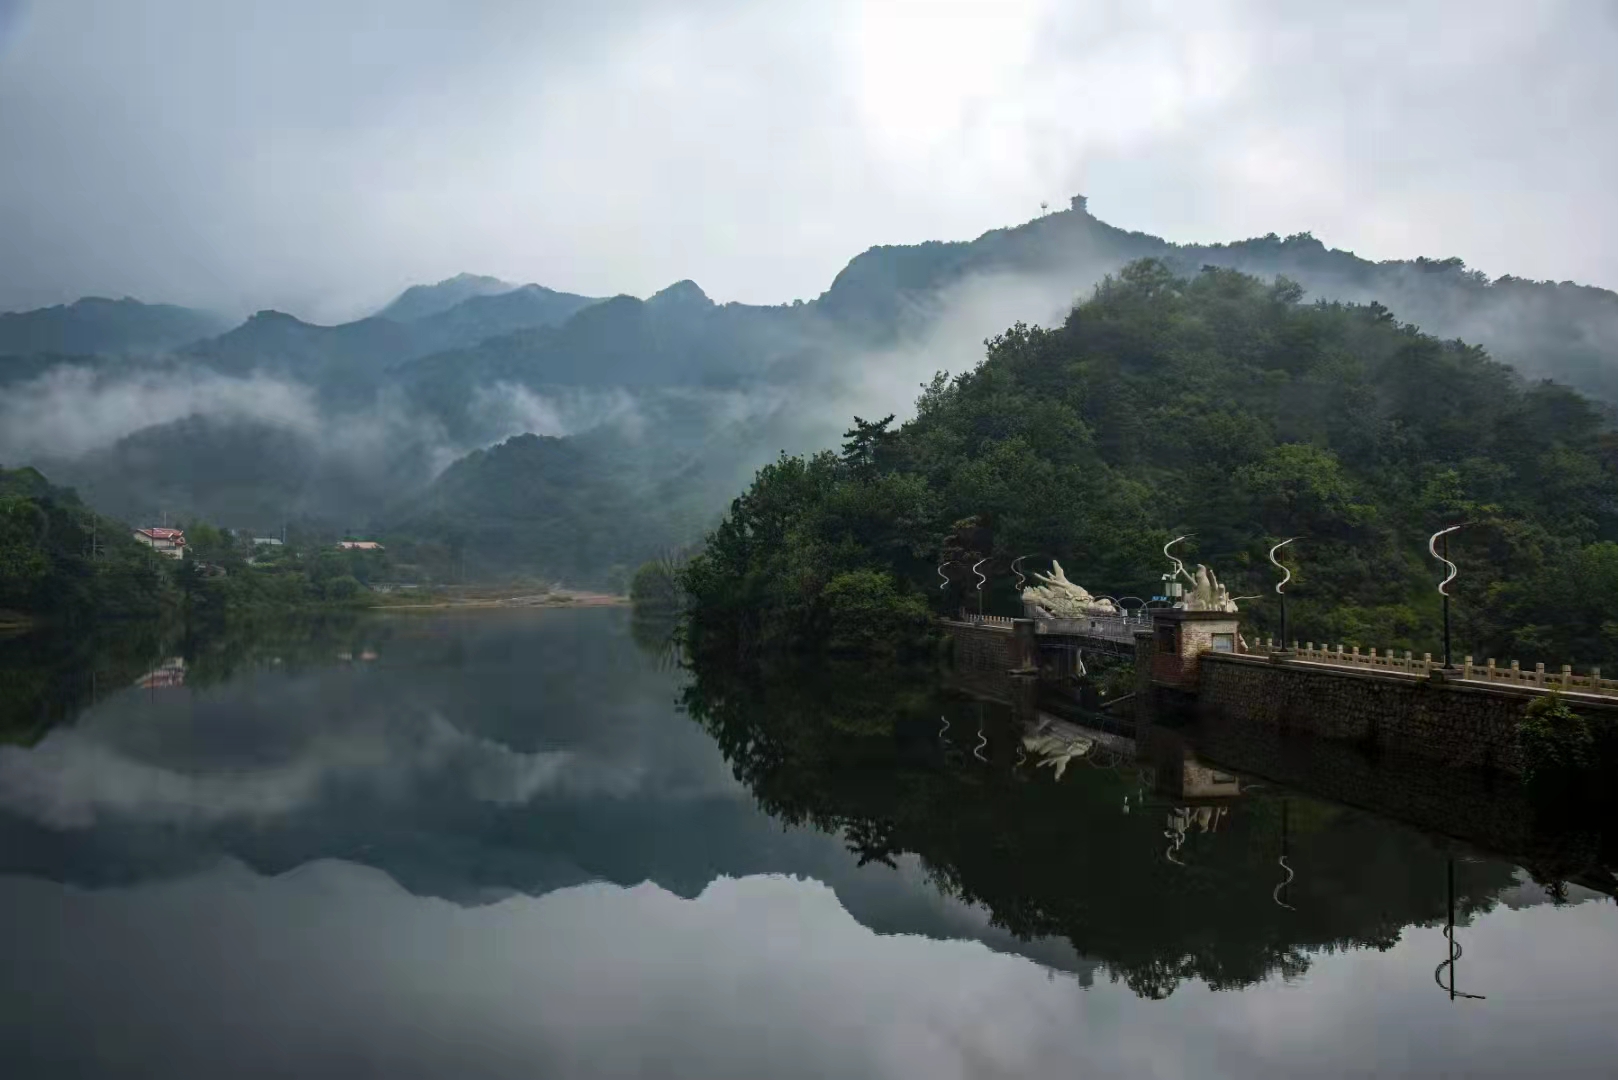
(317, 157)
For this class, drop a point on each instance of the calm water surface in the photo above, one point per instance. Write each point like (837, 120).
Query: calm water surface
(524, 844)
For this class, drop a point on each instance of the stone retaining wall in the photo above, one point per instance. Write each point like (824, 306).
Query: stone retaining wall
(986, 647)
(1444, 722)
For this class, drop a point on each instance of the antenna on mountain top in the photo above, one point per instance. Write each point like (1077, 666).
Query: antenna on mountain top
(1044, 207)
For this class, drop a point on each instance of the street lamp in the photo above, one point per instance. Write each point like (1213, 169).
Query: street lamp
(1280, 586)
(1443, 586)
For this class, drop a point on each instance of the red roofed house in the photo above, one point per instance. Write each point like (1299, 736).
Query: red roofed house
(170, 542)
(359, 545)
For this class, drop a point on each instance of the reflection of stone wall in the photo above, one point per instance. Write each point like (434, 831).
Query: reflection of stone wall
(1442, 722)
(1460, 803)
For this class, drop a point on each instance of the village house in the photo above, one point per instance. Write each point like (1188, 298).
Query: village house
(359, 545)
(164, 541)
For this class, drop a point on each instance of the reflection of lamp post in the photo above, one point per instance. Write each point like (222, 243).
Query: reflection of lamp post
(1454, 949)
(1285, 886)
(1443, 586)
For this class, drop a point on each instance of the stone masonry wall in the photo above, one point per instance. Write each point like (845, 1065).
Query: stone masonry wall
(1181, 669)
(1447, 723)
(981, 648)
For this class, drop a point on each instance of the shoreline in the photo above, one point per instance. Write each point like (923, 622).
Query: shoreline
(540, 600)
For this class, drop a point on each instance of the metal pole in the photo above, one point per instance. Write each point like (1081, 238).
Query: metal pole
(1281, 587)
(1447, 666)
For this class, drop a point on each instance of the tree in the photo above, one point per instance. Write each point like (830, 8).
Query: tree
(866, 445)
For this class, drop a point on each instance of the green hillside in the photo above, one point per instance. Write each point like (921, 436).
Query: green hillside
(1219, 405)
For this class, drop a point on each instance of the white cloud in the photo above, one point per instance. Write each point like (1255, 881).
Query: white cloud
(763, 976)
(75, 780)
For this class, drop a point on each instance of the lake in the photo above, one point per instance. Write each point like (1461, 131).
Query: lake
(520, 844)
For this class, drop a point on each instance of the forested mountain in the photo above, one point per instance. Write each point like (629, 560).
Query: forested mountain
(346, 358)
(419, 301)
(355, 358)
(356, 419)
(478, 318)
(1561, 331)
(96, 325)
(1225, 407)
(590, 508)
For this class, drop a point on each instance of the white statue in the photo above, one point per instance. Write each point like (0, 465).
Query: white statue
(1061, 599)
(1207, 594)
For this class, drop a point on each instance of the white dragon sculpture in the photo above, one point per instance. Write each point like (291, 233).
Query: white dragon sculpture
(1059, 598)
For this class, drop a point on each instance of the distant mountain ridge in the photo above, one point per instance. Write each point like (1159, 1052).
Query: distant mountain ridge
(420, 301)
(472, 361)
(98, 326)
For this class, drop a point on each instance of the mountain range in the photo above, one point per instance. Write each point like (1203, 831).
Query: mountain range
(675, 391)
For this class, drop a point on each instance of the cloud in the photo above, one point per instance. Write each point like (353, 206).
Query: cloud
(72, 780)
(761, 976)
(71, 410)
(319, 157)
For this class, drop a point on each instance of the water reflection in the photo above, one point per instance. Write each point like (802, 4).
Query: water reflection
(1141, 856)
(497, 847)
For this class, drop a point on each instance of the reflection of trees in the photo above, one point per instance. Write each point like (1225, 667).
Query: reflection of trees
(48, 678)
(657, 634)
(857, 752)
(215, 654)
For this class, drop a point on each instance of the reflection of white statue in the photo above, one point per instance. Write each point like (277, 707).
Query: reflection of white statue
(1062, 599)
(1207, 594)
(1056, 749)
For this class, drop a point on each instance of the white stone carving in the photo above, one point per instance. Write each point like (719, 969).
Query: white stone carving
(1059, 598)
(1207, 594)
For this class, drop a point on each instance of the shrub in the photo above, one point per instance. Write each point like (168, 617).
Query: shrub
(1556, 741)
(866, 613)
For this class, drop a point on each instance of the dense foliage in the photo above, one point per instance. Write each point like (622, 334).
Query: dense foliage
(1557, 743)
(1224, 407)
(61, 562)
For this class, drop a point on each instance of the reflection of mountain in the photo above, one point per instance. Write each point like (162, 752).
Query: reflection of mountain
(472, 759)
(1095, 858)
(480, 756)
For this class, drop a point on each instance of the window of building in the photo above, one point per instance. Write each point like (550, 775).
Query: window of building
(1168, 639)
(1224, 642)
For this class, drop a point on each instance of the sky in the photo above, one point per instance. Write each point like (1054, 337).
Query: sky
(317, 158)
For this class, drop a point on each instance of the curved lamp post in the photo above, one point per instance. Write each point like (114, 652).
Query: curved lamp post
(1280, 586)
(1171, 585)
(1443, 586)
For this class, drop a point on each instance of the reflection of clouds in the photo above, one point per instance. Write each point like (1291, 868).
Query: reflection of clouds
(333, 965)
(71, 779)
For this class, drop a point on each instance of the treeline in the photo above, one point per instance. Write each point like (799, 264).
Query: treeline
(224, 575)
(64, 565)
(60, 561)
(1217, 405)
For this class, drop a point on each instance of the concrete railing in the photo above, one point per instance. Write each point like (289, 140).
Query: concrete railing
(1122, 627)
(1386, 660)
(1468, 670)
(1002, 621)
(1565, 679)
